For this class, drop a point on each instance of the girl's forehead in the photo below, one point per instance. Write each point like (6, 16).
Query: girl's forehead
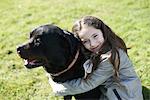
(88, 31)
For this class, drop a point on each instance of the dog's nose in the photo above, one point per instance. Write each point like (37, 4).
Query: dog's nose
(19, 49)
(22, 51)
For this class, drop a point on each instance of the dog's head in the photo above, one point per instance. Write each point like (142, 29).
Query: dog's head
(50, 47)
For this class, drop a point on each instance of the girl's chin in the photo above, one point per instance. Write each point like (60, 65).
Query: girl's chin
(94, 51)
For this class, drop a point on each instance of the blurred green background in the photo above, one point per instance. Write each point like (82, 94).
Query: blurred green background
(130, 19)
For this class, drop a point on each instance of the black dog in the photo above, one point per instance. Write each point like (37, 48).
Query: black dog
(59, 53)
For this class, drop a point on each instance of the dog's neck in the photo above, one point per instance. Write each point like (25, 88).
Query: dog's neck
(69, 67)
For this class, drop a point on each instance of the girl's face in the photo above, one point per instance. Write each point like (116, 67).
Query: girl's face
(91, 38)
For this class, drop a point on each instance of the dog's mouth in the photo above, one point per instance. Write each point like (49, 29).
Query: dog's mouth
(33, 63)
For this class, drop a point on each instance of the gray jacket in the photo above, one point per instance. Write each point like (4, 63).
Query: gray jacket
(129, 89)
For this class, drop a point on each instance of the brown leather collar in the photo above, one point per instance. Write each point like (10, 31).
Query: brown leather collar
(70, 65)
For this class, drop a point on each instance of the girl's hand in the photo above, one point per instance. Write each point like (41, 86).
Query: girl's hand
(88, 65)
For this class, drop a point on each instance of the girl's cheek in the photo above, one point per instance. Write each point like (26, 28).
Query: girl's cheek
(86, 46)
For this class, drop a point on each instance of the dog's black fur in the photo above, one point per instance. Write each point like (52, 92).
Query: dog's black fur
(54, 49)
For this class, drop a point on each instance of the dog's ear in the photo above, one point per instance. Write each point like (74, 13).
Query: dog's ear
(72, 40)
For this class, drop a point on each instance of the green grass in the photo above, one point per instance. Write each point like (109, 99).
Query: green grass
(130, 19)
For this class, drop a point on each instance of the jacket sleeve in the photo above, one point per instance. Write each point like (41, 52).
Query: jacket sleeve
(80, 85)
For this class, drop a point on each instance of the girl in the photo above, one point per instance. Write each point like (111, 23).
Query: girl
(114, 72)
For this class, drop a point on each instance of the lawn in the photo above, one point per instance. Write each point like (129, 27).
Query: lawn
(130, 19)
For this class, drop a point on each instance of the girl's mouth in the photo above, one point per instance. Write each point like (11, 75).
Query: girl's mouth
(95, 49)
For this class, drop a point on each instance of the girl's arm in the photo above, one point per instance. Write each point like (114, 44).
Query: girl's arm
(80, 85)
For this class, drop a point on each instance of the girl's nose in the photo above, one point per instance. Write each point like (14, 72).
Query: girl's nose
(92, 44)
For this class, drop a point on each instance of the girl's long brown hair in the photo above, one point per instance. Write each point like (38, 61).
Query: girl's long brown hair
(112, 41)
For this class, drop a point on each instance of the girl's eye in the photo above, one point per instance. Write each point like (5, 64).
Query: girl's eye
(85, 42)
(95, 36)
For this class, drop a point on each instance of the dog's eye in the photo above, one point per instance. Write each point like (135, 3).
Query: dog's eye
(37, 42)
